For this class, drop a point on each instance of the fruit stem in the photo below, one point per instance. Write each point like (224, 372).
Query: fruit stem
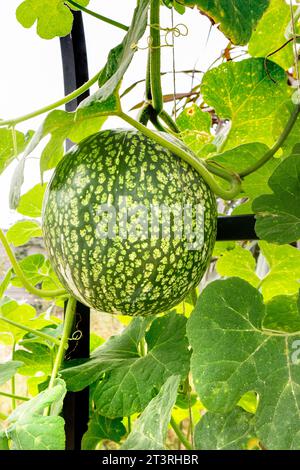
(18, 271)
(30, 330)
(155, 56)
(195, 162)
(98, 16)
(271, 152)
(71, 96)
(180, 434)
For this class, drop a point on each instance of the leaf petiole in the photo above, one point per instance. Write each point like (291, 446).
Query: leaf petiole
(98, 16)
(18, 271)
(180, 434)
(30, 330)
(71, 96)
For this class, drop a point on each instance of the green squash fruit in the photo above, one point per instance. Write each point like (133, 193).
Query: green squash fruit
(108, 232)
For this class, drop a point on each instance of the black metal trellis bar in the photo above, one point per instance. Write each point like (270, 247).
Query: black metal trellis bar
(76, 405)
(75, 71)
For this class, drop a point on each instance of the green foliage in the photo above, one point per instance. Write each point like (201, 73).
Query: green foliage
(241, 339)
(244, 93)
(127, 386)
(150, 429)
(53, 17)
(278, 214)
(232, 312)
(231, 431)
(101, 428)
(9, 151)
(264, 41)
(21, 313)
(255, 184)
(29, 430)
(8, 370)
(21, 232)
(283, 271)
(237, 19)
(31, 202)
(195, 126)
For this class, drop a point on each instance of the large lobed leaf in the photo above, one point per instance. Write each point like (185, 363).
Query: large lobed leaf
(53, 17)
(131, 380)
(249, 96)
(233, 353)
(237, 18)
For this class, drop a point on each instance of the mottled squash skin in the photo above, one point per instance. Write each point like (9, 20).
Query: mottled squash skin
(133, 275)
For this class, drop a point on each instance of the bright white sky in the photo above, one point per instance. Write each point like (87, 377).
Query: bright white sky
(31, 75)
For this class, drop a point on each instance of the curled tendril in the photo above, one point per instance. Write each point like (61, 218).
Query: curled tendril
(76, 336)
(179, 30)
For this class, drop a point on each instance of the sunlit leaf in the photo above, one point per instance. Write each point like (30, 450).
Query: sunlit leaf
(249, 96)
(233, 354)
(53, 17)
(21, 232)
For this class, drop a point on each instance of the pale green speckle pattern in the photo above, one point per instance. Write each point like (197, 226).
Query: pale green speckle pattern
(132, 276)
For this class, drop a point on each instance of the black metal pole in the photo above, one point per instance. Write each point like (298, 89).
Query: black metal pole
(236, 227)
(76, 405)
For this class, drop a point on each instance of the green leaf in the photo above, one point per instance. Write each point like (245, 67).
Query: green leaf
(194, 126)
(3, 440)
(278, 214)
(231, 431)
(53, 17)
(127, 386)
(282, 314)
(283, 262)
(249, 402)
(30, 430)
(112, 354)
(237, 18)
(7, 151)
(21, 232)
(240, 158)
(8, 370)
(24, 314)
(233, 354)
(264, 41)
(284, 274)
(238, 262)
(31, 202)
(100, 428)
(36, 358)
(150, 429)
(119, 58)
(281, 118)
(61, 125)
(244, 93)
(128, 389)
(31, 267)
